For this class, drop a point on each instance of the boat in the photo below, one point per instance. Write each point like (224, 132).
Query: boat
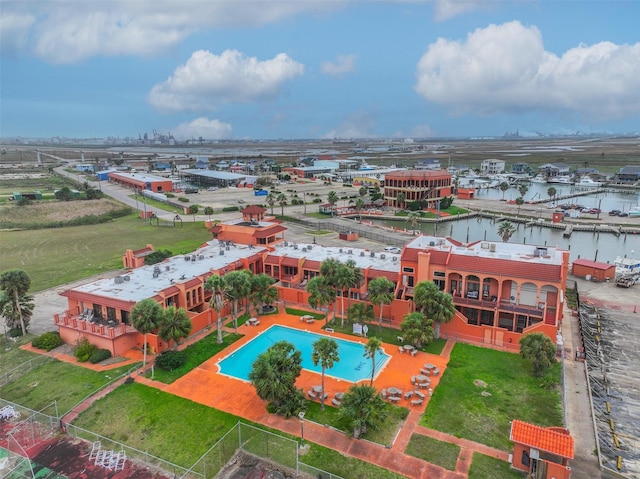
(626, 266)
(538, 179)
(587, 182)
(561, 179)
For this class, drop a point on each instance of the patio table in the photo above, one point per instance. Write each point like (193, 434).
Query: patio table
(407, 347)
(317, 389)
(421, 378)
(394, 391)
(429, 366)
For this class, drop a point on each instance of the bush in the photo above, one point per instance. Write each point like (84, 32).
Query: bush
(84, 350)
(15, 332)
(48, 341)
(99, 355)
(230, 208)
(183, 199)
(317, 200)
(170, 360)
(157, 256)
(170, 195)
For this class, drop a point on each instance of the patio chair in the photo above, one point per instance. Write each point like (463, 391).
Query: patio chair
(408, 394)
(401, 349)
(395, 399)
(335, 402)
(311, 394)
(426, 372)
(416, 402)
(436, 371)
(413, 379)
(383, 393)
(414, 352)
(400, 339)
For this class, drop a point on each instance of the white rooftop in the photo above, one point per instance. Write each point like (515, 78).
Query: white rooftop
(363, 258)
(147, 281)
(139, 176)
(492, 249)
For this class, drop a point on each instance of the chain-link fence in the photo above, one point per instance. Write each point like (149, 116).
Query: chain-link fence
(19, 371)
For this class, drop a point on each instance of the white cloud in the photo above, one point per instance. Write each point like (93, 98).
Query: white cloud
(14, 30)
(344, 64)
(505, 68)
(69, 31)
(446, 9)
(422, 131)
(207, 80)
(359, 124)
(205, 128)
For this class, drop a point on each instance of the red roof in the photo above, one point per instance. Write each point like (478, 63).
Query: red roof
(270, 231)
(593, 264)
(377, 273)
(254, 209)
(553, 440)
(417, 174)
(292, 262)
(272, 259)
(517, 269)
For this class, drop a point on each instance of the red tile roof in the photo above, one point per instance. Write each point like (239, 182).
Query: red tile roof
(516, 269)
(292, 262)
(593, 264)
(418, 174)
(270, 231)
(553, 440)
(272, 259)
(254, 209)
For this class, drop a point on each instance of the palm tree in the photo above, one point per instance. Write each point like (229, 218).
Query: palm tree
(381, 292)
(523, 189)
(363, 191)
(262, 291)
(11, 312)
(412, 218)
(282, 201)
(400, 199)
(360, 313)
(208, 210)
(237, 287)
(551, 192)
(519, 202)
(370, 350)
(417, 329)
(364, 407)
(217, 286)
(145, 317)
(271, 200)
(506, 230)
(325, 353)
(15, 283)
(359, 207)
(504, 186)
(539, 349)
(174, 325)
(335, 274)
(332, 197)
(355, 278)
(433, 303)
(321, 293)
(193, 210)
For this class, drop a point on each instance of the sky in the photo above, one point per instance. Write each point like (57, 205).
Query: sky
(318, 69)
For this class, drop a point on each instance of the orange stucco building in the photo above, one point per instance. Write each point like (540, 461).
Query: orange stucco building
(141, 181)
(417, 185)
(500, 290)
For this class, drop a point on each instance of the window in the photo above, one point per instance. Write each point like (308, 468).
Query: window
(407, 269)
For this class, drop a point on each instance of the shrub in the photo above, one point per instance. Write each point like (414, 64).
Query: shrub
(317, 200)
(230, 208)
(170, 360)
(170, 195)
(48, 341)
(183, 199)
(84, 350)
(99, 355)
(157, 256)
(15, 332)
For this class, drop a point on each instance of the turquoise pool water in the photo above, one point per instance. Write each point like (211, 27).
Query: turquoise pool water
(353, 366)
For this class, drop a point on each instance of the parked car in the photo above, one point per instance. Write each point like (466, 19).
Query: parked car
(614, 212)
(392, 250)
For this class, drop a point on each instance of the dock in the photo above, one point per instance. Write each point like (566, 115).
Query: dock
(567, 231)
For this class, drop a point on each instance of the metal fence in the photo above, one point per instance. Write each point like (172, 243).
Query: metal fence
(256, 442)
(343, 226)
(19, 371)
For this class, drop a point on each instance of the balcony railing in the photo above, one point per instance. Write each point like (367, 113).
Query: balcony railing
(99, 327)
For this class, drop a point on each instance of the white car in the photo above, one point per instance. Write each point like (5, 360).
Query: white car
(392, 250)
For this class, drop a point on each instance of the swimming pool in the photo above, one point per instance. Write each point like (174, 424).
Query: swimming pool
(353, 366)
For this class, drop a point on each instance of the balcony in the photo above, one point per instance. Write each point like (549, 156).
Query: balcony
(474, 302)
(521, 309)
(98, 327)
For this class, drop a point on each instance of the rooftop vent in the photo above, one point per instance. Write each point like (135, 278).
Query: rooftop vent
(295, 246)
(286, 243)
(432, 243)
(126, 278)
(341, 250)
(201, 257)
(484, 245)
(227, 248)
(156, 274)
(372, 254)
(167, 268)
(395, 258)
(361, 253)
(492, 247)
(187, 258)
(350, 251)
(221, 252)
(193, 257)
(118, 280)
(383, 256)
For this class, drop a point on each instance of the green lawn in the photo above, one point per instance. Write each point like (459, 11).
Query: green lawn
(458, 407)
(11, 355)
(151, 420)
(57, 381)
(483, 467)
(436, 452)
(197, 354)
(58, 256)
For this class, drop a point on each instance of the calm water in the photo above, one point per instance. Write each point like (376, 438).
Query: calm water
(603, 247)
(353, 366)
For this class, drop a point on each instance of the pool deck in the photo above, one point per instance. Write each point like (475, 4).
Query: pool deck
(206, 386)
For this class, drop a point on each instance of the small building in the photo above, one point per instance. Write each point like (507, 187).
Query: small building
(492, 166)
(595, 270)
(252, 229)
(466, 193)
(425, 185)
(428, 164)
(542, 452)
(85, 167)
(33, 195)
(141, 181)
(519, 167)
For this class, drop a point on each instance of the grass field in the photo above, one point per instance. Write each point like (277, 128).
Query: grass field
(431, 450)
(483, 467)
(458, 407)
(11, 355)
(58, 256)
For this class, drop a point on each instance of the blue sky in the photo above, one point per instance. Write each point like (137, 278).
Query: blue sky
(245, 69)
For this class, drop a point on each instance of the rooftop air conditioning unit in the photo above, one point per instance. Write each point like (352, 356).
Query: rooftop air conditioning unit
(383, 256)
(492, 247)
(193, 258)
(221, 252)
(286, 243)
(304, 248)
(201, 257)
(155, 275)
(372, 254)
(127, 278)
(295, 246)
(341, 250)
(395, 258)
(432, 243)
(187, 258)
(167, 268)
(484, 245)
(310, 247)
(227, 248)
(350, 251)
(119, 280)
(361, 253)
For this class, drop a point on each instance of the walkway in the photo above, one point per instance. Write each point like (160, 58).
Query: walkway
(206, 386)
